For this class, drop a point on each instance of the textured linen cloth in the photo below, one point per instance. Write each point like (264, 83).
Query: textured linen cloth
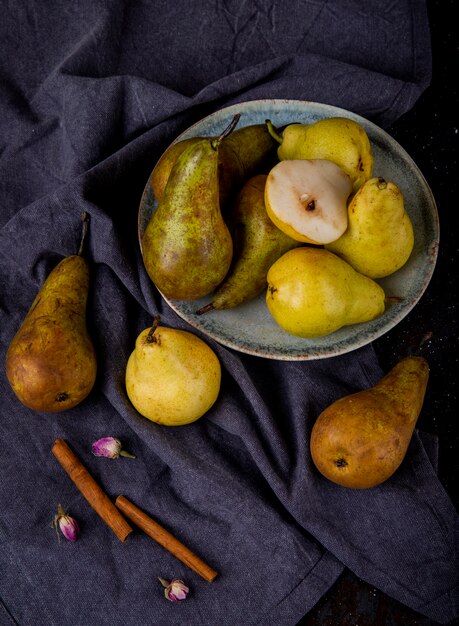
(92, 91)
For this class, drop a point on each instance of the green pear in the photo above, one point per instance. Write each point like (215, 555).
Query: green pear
(51, 363)
(242, 154)
(257, 244)
(187, 248)
(379, 237)
(337, 139)
(360, 440)
(312, 292)
(172, 377)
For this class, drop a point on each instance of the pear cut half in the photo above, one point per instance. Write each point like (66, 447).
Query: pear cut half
(307, 199)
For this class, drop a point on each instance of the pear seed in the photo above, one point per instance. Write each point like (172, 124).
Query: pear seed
(311, 205)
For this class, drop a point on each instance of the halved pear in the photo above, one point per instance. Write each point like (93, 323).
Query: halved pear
(307, 199)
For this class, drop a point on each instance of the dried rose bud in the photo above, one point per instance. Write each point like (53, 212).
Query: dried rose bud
(175, 590)
(67, 525)
(110, 447)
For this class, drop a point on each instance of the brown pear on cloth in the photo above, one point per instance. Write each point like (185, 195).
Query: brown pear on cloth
(361, 439)
(51, 362)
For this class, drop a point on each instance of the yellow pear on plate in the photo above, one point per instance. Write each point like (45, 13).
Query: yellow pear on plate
(338, 139)
(379, 237)
(312, 292)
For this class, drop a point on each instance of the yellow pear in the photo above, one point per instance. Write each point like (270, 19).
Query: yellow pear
(338, 139)
(361, 439)
(379, 237)
(307, 199)
(312, 292)
(172, 376)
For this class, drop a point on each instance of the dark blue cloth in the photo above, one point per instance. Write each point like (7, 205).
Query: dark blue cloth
(91, 93)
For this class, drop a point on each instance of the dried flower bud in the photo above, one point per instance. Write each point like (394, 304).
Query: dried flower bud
(175, 590)
(67, 525)
(109, 447)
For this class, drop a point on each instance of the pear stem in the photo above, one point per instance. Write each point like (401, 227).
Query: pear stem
(272, 130)
(393, 299)
(150, 337)
(205, 308)
(228, 130)
(84, 231)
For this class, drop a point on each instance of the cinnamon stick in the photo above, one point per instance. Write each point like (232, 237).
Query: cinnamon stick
(165, 538)
(89, 488)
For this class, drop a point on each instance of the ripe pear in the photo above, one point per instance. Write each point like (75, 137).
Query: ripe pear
(360, 440)
(379, 237)
(307, 199)
(187, 248)
(312, 292)
(337, 139)
(172, 376)
(257, 244)
(241, 155)
(51, 363)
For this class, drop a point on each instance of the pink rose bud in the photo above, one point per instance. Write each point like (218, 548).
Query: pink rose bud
(175, 590)
(109, 447)
(67, 525)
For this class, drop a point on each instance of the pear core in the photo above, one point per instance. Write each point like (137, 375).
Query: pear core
(307, 199)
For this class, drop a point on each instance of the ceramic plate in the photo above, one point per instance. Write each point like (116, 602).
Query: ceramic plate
(249, 328)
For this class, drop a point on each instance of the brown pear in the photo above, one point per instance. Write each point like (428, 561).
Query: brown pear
(51, 362)
(360, 440)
